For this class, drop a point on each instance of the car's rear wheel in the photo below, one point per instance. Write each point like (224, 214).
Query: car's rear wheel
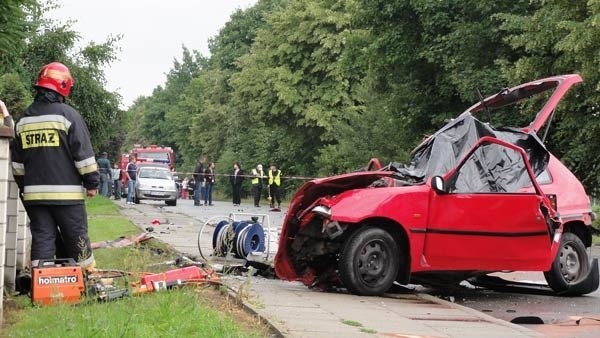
(369, 262)
(571, 264)
(171, 203)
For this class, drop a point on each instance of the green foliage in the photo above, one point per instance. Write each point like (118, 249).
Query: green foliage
(560, 37)
(29, 40)
(14, 94)
(14, 30)
(292, 82)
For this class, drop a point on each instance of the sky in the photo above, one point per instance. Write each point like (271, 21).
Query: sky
(154, 32)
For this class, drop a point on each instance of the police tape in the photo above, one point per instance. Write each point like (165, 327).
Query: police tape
(179, 173)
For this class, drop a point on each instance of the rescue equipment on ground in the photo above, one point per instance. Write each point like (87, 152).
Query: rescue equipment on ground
(57, 280)
(239, 238)
(63, 281)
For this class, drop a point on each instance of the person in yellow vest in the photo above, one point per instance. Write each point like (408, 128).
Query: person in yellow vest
(275, 185)
(257, 181)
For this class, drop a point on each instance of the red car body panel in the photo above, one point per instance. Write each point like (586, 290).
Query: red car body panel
(562, 83)
(442, 232)
(573, 202)
(485, 232)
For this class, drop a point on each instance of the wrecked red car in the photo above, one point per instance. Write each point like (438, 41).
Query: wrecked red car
(474, 200)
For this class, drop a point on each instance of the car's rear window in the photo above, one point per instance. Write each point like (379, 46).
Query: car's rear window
(155, 173)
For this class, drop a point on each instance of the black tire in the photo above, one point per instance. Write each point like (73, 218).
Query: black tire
(171, 203)
(369, 262)
(570, 265)
(136, 200)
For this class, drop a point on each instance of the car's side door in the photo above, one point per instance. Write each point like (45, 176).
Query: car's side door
(484, 220)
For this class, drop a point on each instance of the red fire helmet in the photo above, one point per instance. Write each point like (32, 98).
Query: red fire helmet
(57, 77)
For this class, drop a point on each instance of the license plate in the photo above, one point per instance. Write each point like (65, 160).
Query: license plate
(156, 193)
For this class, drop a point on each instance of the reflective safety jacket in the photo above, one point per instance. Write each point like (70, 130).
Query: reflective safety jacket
(275, 178)
(52, 156)
(256, 176)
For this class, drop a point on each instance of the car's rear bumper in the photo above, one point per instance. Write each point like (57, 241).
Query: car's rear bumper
(156, 195)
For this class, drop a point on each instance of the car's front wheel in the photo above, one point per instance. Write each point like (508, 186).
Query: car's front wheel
(570, 266)
(369, 262)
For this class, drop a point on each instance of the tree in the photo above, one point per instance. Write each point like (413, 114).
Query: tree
(31, 40)
(292, 81)
(561, 37)
(15, 28)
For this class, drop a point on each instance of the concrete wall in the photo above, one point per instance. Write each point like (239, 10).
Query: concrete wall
(4, 174)
(13, 221)
(16, 229)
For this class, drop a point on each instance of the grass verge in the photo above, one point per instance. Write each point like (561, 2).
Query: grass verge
(184, 312)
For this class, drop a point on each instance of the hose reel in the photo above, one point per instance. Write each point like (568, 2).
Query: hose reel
(238, 237)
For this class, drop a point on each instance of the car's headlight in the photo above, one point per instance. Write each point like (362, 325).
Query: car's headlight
(143, 186)
(322, 211)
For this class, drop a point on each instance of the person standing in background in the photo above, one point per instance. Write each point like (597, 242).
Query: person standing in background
(191, 188)
(257, 177)
(131, 172)
(116, 176)
(274, 186)
(209, 178)
(199, 190)
(236, 180)
(105, 174)
(184, 187)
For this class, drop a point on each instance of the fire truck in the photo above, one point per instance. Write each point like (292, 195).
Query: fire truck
(148, 154)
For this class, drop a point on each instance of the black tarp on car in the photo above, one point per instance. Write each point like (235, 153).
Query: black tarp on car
(491, 168)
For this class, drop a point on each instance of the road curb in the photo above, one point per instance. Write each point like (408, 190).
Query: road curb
(277, 329)
(483, 316)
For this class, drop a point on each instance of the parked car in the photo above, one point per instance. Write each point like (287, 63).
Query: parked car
(155, 182)
(474, 200)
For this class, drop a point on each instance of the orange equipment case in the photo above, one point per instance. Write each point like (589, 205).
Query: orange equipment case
(57, 281)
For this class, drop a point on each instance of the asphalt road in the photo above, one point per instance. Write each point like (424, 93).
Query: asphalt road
(559, 314)
(550, 308)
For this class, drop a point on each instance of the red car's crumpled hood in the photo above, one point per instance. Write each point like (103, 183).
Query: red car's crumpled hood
(305, 197)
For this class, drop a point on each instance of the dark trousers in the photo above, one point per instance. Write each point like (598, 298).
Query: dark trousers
(117, 189)
(237, 187)
(256, 191)
(198, 194)
(275, 195)
(51, 223)
(208, 193)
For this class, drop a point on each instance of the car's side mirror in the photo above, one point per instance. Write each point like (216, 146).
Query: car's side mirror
(437, 182)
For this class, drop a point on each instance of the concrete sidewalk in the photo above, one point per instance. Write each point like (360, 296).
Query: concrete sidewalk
(296, 311)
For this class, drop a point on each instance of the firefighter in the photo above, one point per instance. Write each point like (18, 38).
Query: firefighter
(54, 166)
(274, 186)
